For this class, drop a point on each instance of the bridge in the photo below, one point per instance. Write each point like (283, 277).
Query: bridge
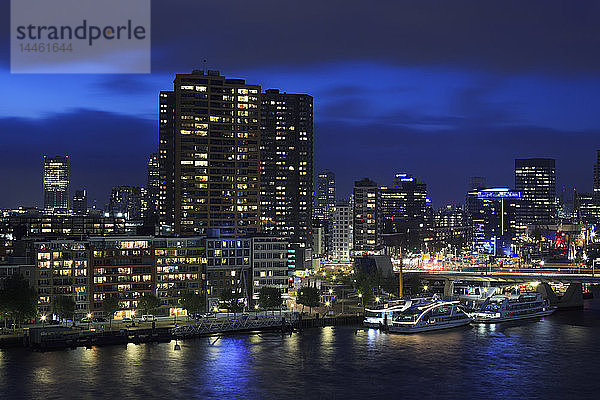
(242, 323)
(573, 276)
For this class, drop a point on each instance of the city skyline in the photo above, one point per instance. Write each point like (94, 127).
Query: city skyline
(420, 98)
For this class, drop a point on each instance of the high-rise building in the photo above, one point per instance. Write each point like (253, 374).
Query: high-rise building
(535, 179)
(597, 175)
(492, 220)
(366, 227)
(403, 210)
(449, 227)
(128, 201)
(586, 208)
(286, 154)
(325, 196)
(80, 202)
(166, 155)
(56, 183)
(340, 238)
(209, 155)
(153, 184)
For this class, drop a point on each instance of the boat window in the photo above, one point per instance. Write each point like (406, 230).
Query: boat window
(372, 314)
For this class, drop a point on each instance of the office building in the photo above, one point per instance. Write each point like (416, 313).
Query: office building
(56, 183)
(492, 220)
(80, 202)
(209, 155)
(535, 179)
(286, 142)
(404, 211)
(586, 208)
(325, 196)
(128, 201)
(366, 224)
(450, 230)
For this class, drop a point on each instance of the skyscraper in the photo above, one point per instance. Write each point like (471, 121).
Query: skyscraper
(366, 229)
(153, 184)
(597, 175)
(56, 183)
(535, 179)
(325, 195)
(209, 155)
(286, 155)
(80, 203)
(340, 245)
(404, 210)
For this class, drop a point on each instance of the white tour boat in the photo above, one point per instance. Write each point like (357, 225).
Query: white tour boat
(429, 316)
(505, 308)
(381, 315)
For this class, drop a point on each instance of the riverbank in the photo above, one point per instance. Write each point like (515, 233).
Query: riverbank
(60, 338)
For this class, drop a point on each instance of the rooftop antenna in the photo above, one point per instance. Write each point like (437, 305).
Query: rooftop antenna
(204, 65)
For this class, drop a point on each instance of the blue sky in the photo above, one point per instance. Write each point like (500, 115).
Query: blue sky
(442, 91)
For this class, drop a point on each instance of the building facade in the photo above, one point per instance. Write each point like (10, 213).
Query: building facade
(325, 196)
(209, 155)
(366, 223)
(286, 157)
(493, 220)
(535, 179)
(270, 265)
(123, 268)
(56, 183)
(340, 247)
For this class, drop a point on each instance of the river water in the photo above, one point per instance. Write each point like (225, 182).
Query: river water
(553, 358)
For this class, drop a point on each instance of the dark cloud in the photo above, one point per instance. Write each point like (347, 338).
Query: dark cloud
(105, 150)
(503, 36)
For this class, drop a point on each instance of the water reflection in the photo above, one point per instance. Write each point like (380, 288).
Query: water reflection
(485, 361)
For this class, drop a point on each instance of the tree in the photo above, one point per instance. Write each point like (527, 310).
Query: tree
(148, 303)
(192, 302)
(269, 297)
(64, 307)
(309, 297)
(230, 302)
(110, 306)
(18, 301)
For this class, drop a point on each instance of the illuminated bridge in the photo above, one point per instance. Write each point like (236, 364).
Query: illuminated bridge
(573, 276)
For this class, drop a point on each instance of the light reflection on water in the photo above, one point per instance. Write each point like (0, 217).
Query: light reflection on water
(552, 358)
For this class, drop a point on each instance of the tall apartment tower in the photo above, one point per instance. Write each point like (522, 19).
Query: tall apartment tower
(325, 194)
(597, 176)
(209, 155)
(535, 179)
(286, 157)
(56, 183)
(153, 184)
(365, 216)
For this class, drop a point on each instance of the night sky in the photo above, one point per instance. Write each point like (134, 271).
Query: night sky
(442, 90)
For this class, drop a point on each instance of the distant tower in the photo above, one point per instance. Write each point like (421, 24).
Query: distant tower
(80, 202)
(365, 224)
(597, 175)
(56, 183)
(153, 184)
(535, 178)
(325, 194)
